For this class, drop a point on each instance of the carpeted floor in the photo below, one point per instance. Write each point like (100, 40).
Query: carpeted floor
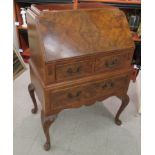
(82, 131)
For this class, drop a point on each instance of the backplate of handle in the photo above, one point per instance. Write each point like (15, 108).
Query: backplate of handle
(71, 71)
(113, 63)
(108, 84)
(70, 95)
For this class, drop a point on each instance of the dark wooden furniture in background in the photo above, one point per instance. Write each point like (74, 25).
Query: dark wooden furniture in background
(77, 57)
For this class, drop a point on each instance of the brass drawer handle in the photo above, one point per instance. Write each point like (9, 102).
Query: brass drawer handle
(78, 69)
(104, 86)
(71, 96)
(71, 71)
(109, 84)
(112, 64)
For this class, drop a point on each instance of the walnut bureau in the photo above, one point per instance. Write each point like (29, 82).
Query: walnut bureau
(77, 57)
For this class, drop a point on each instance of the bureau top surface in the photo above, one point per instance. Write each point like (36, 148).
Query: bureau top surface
(72, 33)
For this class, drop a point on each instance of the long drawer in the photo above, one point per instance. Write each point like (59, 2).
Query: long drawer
(87, 91)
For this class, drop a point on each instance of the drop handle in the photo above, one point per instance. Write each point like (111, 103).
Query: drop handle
(78, 70)
(113, 63)
(78, 93)
(71, 71)
(109, 84)
(104, 86)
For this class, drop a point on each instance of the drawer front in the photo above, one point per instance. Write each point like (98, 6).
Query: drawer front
(73, 70)
(108, 63)
(50, 74)
(93, 90)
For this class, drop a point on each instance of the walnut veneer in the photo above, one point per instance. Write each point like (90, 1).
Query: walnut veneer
(77, 57)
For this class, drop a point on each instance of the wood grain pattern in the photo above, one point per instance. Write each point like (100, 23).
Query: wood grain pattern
(83, 92)
(46, 123)
(73, 70)
(78, 57)
(95, 30)
(37, 55)
(111, 62)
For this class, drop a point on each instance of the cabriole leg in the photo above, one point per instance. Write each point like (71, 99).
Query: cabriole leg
(46, 123)
(31, 92)
(125, 101)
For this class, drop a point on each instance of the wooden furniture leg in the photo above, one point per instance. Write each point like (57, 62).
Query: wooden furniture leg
(46, 123)
(31, 92)
(125, 101)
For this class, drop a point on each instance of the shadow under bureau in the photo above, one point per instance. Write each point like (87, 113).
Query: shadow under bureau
(77, 57)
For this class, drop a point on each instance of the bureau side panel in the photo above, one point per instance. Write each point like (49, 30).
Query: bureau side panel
(36, 52)
(39, 90)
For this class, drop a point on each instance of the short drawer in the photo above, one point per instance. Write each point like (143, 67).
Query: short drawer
(73, 70)
(111, 62)
(50, 73)
(85, 92)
